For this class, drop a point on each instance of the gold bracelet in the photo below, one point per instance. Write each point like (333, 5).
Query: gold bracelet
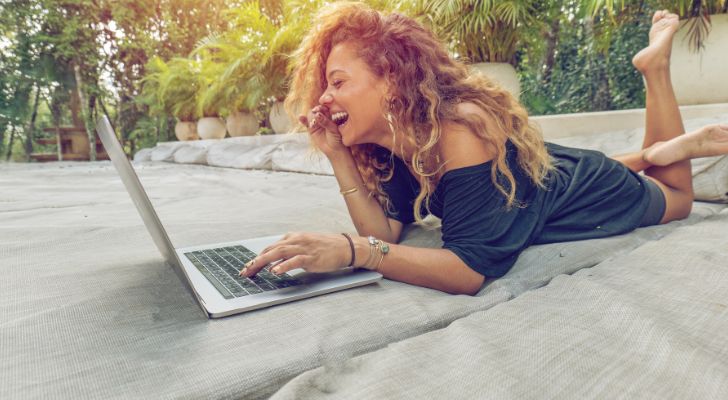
(348, 191)
(371, 257)
(375, 246)
(381, 257)
(384, 249)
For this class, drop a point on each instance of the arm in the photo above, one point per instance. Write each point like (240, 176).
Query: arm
(438, 269)
(365, 211)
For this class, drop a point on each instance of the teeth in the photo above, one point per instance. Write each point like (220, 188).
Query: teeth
(339, 117)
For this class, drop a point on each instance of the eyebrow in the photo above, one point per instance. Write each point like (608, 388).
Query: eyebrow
(332, 72)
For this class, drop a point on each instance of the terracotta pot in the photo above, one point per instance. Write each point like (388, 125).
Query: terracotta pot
(278, 118)
(241, 123)
(186, 130)
(699, 78)
(211, 128)
(502, 73)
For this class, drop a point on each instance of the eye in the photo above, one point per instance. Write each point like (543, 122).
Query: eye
(336, 83)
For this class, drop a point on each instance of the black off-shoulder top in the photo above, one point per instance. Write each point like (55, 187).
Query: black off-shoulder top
(587, 195)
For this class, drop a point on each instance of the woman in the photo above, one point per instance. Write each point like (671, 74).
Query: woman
(409, 131)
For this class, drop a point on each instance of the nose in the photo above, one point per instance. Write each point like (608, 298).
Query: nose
(326, 99)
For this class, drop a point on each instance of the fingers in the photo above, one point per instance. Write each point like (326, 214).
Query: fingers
(260, 262)
(284, 240)
(318, 118)
(326, 122)
(282, 249)
(298, 261)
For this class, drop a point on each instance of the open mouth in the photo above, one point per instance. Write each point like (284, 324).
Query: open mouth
(340, 118)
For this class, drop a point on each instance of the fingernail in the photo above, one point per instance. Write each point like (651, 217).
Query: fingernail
(243, 271)
(276, 270)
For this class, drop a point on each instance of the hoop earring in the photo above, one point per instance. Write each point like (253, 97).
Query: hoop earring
(390, 121)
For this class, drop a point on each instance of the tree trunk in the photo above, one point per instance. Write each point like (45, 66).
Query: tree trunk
(599, 83)
(84, 113)
(10, 144)
(55, 114)
(3, 128)
(31, 125)
(602, 91)
(551, 43)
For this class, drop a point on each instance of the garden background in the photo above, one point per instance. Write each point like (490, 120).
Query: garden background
(148, 64)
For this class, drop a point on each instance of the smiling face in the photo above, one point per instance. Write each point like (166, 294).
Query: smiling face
(354, 96)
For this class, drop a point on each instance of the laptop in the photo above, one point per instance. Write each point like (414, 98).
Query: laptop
(210, 272)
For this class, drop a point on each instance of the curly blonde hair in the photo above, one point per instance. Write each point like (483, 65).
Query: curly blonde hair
(428, 85)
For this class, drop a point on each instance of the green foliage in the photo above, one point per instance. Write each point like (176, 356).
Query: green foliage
(150, 130)
(151, 94)
(249, 63)
(584, 76)
(696, 12)
(480, 30)
(145, 60)
(180, 86)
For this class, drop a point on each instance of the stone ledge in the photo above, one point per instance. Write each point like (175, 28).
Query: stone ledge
(611, 132)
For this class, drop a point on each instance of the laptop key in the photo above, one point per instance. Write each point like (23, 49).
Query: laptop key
(239, 292)
(225, 292)
(267, 287)
(254, 290)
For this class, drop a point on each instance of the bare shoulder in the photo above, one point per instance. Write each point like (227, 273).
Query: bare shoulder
(460, 146)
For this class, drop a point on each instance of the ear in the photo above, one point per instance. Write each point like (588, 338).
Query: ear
(386, 84)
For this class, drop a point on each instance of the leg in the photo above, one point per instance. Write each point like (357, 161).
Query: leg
(711, 140)
(634, 161)
(663, 121)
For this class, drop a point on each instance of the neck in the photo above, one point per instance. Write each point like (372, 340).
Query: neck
(398, 145)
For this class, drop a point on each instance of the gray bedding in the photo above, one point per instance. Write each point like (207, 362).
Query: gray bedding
(650, 324)
(89, 310)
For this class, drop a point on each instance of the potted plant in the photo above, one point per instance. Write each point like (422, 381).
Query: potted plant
(178, 88)
(266, 38)
(162, 98)
(210, 104)
(485, 33)
(237, 87)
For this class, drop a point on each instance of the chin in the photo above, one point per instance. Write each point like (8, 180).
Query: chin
(346, 139)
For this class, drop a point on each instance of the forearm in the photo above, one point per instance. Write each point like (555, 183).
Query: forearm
(365, 211)
(438, 269)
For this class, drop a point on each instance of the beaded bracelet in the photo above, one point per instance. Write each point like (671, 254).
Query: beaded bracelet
(379, 246)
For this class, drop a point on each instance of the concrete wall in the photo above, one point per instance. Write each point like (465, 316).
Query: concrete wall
(701, 78)
(566, 125)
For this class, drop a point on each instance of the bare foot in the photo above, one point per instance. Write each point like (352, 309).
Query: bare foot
(711, 140)
(657, 53)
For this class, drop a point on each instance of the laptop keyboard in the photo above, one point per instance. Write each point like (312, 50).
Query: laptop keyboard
(222, 267)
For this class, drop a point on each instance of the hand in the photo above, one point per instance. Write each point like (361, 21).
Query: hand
(314, 252)
(324, 132)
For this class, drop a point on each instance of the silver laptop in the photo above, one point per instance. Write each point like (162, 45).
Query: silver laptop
(210, 272)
